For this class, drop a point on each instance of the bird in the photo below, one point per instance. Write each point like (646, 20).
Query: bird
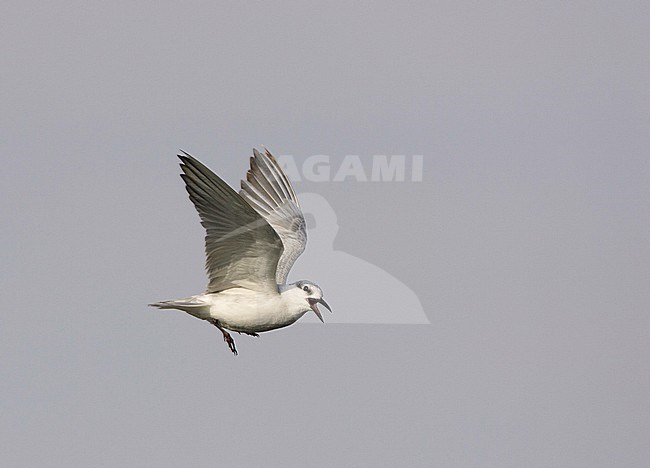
(252, 240)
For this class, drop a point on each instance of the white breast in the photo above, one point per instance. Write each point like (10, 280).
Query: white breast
(243, 310)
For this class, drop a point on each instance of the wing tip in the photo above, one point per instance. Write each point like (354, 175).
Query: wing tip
(266, 153)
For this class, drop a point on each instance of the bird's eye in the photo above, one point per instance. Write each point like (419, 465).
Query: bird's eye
(305, 288)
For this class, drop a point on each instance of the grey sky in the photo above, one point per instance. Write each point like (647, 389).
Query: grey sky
(526, 242)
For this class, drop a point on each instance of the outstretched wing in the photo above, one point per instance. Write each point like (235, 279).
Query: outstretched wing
(241, 248)
(268, 190)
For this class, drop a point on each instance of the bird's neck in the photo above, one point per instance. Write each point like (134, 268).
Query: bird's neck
(294, 301)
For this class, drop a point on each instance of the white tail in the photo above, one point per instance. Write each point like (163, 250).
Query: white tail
(192, 305)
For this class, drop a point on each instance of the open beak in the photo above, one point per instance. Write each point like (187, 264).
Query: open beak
(314, 307)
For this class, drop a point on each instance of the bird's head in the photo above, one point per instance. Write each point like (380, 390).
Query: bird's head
(313, 295)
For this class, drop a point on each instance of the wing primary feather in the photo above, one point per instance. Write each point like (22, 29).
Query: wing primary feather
(271, 176)
(285, 180)
(263, 179)
(253, 193)
(268, 190)
(242, 249)
(257, 180)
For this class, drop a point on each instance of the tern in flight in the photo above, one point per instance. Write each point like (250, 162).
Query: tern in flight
(252, 240)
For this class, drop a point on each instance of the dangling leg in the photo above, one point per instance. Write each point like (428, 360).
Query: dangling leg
(226, 336)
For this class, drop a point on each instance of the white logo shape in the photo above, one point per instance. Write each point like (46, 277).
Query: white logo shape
(357, 290)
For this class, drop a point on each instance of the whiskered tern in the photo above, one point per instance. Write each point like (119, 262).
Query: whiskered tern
(252, 240)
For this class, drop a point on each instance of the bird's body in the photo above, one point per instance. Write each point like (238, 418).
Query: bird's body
(252, 241)
(243, 310)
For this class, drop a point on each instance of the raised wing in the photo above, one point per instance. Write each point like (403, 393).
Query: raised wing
(241, 248)
(268, 190)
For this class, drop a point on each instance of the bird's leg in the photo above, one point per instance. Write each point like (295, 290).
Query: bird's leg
(228, 339)
(251, 334)
(226, 336)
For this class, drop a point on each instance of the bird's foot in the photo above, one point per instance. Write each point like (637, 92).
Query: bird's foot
(226, 336)
(251, 334)
(231, 343)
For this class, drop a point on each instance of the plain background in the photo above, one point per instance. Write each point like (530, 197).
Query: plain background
(526, 242)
